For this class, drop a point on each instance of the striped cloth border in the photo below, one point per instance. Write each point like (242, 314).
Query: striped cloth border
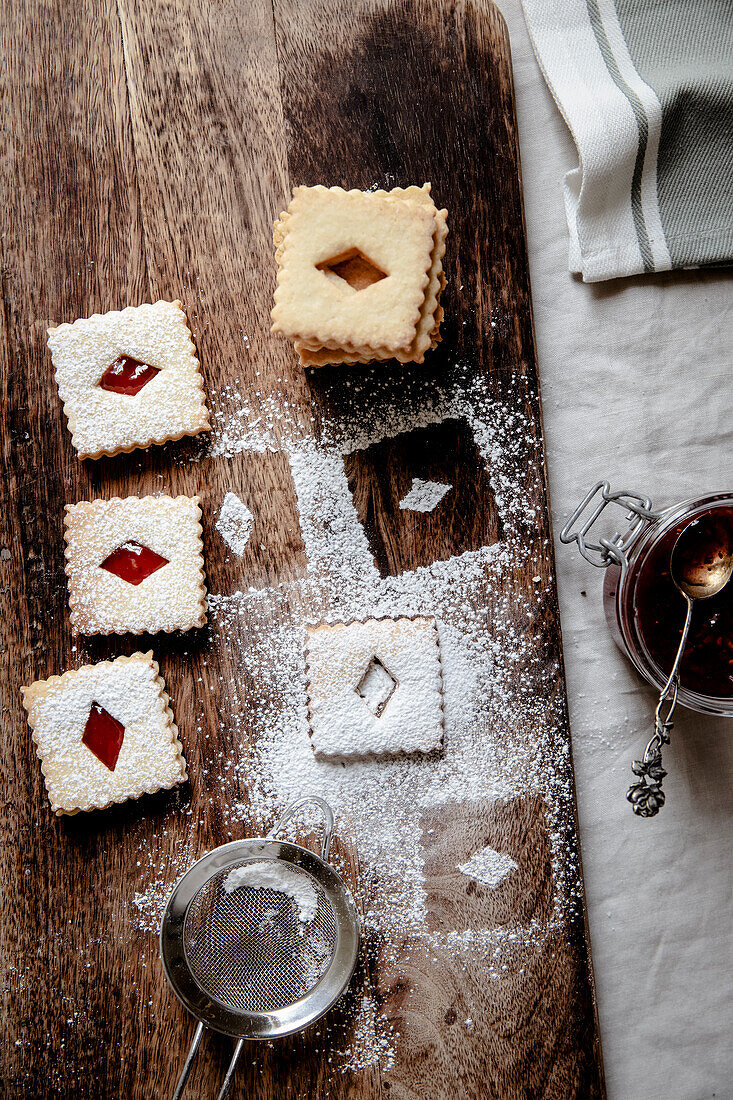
(626, 139)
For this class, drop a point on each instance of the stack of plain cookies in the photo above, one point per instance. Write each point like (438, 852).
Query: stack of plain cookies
(360, 274)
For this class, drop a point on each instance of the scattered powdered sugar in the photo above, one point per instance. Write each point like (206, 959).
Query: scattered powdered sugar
(275, 875)
(494, 670)
(385, 798)
(505, 733)
(250, 420)
(150, 904)
(371, 1040)
(424, 496)
(235, 523)
(488, 867)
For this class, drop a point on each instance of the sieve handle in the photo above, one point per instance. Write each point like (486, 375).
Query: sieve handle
(230, 1072)
(190, 1057)
(192, 1051)
(293, 809)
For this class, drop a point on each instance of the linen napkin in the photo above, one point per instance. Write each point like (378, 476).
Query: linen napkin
(646, 88)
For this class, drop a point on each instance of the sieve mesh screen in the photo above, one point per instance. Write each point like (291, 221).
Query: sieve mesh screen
(249, 949)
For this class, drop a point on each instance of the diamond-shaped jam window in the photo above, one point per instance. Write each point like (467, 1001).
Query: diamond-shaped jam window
(354, 268)
(127, 375)
(376, 687)
(103, 735)
(133, 562)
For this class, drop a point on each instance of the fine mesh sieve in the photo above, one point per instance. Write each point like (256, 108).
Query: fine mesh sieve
(259, 939)
(249, 949)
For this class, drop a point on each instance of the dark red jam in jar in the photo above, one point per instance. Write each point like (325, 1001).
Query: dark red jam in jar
(707, 662)
(647, 612)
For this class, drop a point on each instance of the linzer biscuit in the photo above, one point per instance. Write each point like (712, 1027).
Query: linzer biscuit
(135, 565)
(129, 379)
(374, 687)
(360, 274)
(104, 733)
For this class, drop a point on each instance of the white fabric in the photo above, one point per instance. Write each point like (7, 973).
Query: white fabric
(603, 239)
(636, 385)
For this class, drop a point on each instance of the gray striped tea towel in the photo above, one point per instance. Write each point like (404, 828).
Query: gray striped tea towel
(646, 87)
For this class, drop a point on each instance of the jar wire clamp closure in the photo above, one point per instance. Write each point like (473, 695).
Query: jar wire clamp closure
(607, 551)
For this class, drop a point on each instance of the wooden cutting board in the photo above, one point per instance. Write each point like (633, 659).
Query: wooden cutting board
(149, 148)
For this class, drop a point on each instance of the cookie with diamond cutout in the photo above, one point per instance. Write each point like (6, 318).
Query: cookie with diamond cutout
(427, 332)
(375, 687)
(129, 379)
(104, 733)
(336, 238)
(135, 565)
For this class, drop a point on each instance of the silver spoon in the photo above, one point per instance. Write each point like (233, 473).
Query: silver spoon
(701, 565)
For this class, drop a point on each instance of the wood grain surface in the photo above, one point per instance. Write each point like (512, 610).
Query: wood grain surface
(381, 475)
(148, 149)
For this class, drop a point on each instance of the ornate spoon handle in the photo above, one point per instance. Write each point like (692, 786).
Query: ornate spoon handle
(646, 796)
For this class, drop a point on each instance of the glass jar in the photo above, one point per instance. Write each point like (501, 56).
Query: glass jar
(643, 608)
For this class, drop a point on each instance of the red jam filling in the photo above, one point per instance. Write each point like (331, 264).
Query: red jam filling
(103, 735)
(133, 562)
(127, 375)
(707, 661)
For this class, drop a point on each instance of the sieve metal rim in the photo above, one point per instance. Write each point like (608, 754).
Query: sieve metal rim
(318, 1000)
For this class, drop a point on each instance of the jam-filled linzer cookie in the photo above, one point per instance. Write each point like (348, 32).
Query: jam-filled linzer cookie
(135, 565)
(104, 733)
(129, 379)
(360, 274)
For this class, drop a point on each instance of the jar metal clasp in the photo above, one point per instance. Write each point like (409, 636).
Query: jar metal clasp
(613, 550)
(646, 795)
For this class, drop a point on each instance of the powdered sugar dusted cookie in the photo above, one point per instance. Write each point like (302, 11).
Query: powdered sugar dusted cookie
(354, 268)
(129, 379)
(374, 687)
(135, 565)
(104, 733)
